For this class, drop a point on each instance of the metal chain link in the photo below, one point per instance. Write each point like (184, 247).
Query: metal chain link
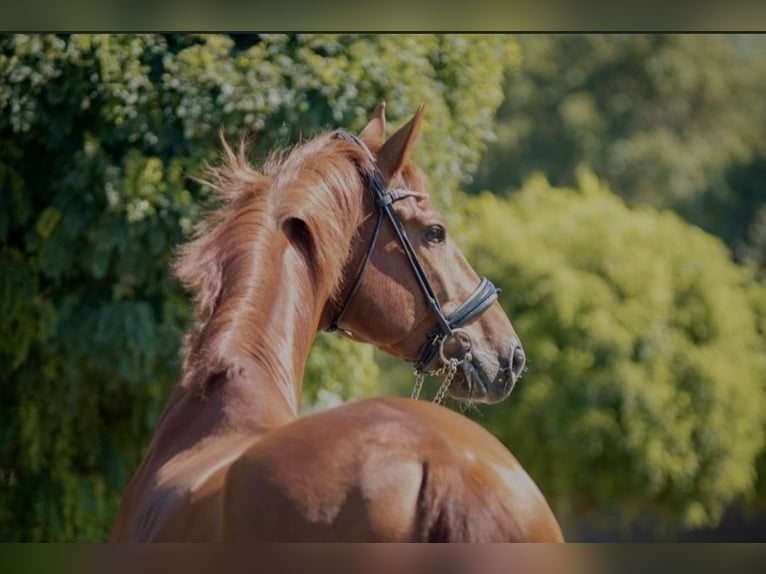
(449, 371)
(419, 378)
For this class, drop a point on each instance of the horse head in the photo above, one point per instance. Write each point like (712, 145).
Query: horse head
(409, 290)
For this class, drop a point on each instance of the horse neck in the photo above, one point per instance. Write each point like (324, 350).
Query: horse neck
(253, 349)
(245, 362)
(244, 366)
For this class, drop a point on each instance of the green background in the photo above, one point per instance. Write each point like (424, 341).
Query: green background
(612, 185)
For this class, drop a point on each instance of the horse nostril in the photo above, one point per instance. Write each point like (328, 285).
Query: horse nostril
(518, 360)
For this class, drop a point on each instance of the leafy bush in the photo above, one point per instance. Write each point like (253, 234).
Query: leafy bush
(671, 120)
(645, 383)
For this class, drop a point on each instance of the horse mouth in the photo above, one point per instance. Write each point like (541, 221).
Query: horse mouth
(473, 384)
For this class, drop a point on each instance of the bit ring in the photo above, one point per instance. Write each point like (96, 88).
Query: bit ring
(466, 357)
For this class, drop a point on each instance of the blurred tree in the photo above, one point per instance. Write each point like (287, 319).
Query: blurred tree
(671, 120)
(99, 137)
(644, 389)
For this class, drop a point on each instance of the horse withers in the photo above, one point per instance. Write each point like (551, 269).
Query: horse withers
(338, 234)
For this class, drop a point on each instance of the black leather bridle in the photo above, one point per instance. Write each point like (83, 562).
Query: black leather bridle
(479, 301)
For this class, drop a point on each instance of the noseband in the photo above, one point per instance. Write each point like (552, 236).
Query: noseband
(447, 326)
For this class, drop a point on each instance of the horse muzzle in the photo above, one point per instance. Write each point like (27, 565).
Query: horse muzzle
(483, 378)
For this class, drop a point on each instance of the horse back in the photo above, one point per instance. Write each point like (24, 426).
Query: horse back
(383, 470)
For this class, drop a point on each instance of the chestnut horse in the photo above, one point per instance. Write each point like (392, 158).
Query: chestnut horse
(313, 242)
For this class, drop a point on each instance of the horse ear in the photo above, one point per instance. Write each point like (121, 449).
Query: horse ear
(393, 154)
(375, 130)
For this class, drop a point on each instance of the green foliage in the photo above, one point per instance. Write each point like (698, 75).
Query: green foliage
(644, 389)
(339, 371)
(671, 120)
(100, 135)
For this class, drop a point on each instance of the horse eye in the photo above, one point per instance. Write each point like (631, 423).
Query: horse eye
(435, 234)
